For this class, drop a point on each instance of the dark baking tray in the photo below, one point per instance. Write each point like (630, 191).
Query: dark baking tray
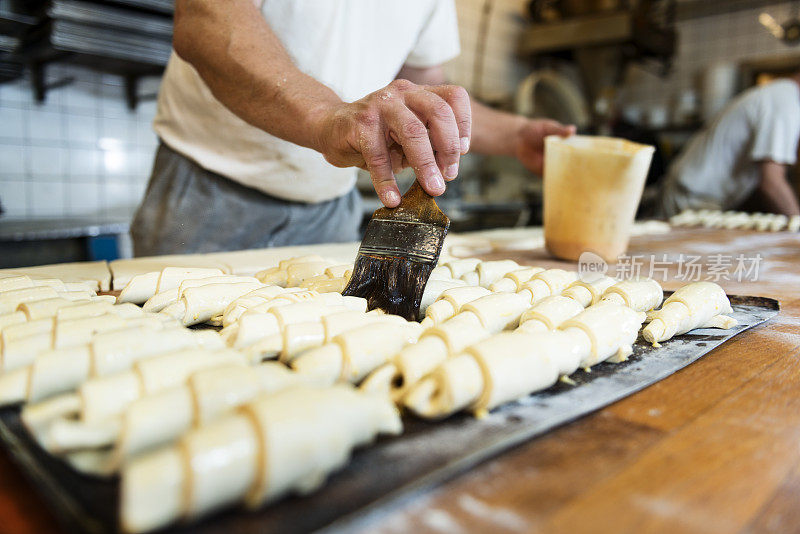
(393, 469)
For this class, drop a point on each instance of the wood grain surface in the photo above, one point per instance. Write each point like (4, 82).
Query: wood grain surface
(713, 448)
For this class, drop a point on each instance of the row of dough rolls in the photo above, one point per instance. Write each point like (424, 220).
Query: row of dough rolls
(465, 316)
(136, 432)
(761, 222)
(125, 399)
(485, 364)
(696, 305)
(509, 365)
(197, 421)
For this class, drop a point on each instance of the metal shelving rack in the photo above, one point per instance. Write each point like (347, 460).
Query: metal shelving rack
(129, 38)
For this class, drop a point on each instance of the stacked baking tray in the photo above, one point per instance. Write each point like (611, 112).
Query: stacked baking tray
(110, 32)
(162, 6)
(18, 22)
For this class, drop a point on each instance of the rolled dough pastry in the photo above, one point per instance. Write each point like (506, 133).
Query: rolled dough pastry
(341, 270)
(434, 290)
(61, 370)
(490, 272)
(351, 356)
(104, 399)
(160, 418)
(298, 338)
(441, 272)
(460, 267)
(157, 420)
(414, 361)
(501, 368)
(25, 329)
(298, 273)
(588, 293)
(199, 304)
(22, 351)
(280, 275)
(280, 443)
(42, 309)
(642, 294)
(731, 219)
(10, 282)
(143, 286)
(510, 365)
(695, 305)
(294, 260)
(254, 326)
(274, 276)
(611, 328)
(498, 311)
(106, 396)
(259, 296)
(477, 319)
(547, 283)
(289, 296)
(549, 313)
(93, 275)
(513, 280)
(95, 308)
(450, 303)
(12, 318)
(326, 284)
(162, 299)
(74, 332)
(794, 224)
(11, 299)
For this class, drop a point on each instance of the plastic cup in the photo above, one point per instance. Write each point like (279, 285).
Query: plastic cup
(592, 187)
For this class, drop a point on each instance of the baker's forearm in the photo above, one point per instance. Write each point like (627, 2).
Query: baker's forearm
(247, 69)
(494, 132)
(775, 190)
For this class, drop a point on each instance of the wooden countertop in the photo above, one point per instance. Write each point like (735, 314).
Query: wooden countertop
(713, 448)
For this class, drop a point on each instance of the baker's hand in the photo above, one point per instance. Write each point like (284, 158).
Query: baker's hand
(426, 127)
(529, 143)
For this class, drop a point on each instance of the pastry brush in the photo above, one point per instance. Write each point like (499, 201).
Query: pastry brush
(400, 249)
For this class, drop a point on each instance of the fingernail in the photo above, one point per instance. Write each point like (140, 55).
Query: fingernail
(438, 182)
(391, 198)
(464, 145)
(451, 172)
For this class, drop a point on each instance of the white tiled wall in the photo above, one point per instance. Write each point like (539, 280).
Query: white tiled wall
(81, 153)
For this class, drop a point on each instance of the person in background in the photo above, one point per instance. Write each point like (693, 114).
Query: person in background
(267, 107)
(740, 161)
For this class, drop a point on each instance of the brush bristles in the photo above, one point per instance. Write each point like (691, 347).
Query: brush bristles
(389, 283)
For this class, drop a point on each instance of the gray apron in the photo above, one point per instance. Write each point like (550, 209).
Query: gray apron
(188, 209)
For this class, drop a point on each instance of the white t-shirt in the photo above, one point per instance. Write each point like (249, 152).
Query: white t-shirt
(719, 169)
(354, 47)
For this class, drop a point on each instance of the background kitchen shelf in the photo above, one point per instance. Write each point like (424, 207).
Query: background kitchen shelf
(131, 39)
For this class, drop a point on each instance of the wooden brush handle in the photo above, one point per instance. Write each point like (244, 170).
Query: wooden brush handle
(415, 195)
(416, 204)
